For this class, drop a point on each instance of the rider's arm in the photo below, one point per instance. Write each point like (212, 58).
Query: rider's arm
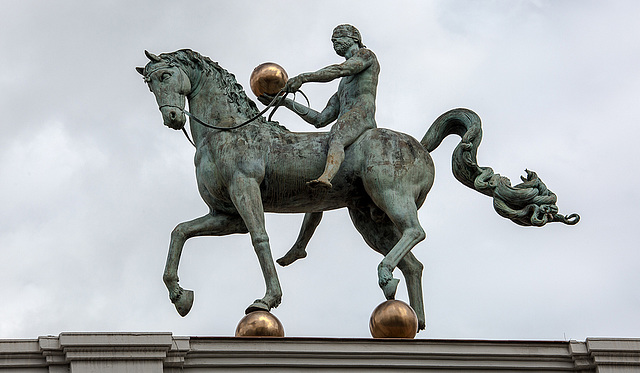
(354, 65)
(317, 119)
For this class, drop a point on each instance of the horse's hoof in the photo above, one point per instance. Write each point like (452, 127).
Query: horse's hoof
(258, 305)
(184, 302)
(389, 289)
(421, 325)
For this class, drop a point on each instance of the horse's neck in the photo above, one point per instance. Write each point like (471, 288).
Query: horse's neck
(211, 106)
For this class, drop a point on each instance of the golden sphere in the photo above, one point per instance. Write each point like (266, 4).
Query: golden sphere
(259, 324)
(393, 319)
(267, 78)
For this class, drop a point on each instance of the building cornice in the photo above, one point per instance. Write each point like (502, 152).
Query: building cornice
(163, 352)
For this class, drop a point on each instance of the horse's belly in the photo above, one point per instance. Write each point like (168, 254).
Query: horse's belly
(284, 202)
(291, 166)
(289, 193)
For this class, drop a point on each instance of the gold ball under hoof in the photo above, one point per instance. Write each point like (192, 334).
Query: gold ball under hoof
(259, 324)
(267, 78)
(393, 319)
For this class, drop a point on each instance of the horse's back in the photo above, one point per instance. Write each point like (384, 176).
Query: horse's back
(292, 160)
(395, 162)
(380, 158)
(383, 143)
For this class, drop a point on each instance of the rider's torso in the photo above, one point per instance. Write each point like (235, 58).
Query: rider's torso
(359, 90)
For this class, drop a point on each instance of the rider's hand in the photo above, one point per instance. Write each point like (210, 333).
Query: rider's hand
(266, 99)
(293, 84)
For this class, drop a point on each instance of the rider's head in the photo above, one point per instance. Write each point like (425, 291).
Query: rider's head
(347, 31)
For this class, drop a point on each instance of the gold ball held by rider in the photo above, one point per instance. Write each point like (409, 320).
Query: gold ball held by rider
(393, 319)
(260, 324)
(267, 78)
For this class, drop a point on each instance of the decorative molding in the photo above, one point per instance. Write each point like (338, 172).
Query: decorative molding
(163, 352)
(610, 354)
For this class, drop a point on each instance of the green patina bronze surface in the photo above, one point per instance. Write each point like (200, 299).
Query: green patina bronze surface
(382, 176)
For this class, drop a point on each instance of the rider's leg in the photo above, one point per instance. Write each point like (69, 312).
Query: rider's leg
(335, 156)
(344, 133)
(298, 251)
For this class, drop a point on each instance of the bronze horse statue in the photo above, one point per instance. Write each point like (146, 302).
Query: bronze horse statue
(262, 167)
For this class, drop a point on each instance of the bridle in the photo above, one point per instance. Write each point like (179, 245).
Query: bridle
(275, 104)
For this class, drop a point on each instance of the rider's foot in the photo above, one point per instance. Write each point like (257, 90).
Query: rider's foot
(291, 256)
(319, 184)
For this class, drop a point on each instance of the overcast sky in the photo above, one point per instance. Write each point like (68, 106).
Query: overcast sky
(93, 183)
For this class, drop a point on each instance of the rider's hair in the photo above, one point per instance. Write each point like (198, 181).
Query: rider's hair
(350, 31)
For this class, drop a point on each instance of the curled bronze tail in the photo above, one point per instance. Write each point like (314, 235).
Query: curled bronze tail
(529, 203)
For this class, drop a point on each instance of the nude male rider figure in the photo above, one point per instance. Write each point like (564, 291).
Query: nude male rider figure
(353, 105)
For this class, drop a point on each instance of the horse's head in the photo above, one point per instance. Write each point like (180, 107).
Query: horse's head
(170, 84)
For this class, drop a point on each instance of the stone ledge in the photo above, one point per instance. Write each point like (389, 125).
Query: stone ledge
(163, 352)
(371, 354)
(615, 352)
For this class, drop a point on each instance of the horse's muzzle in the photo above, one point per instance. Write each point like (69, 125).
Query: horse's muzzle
(173, 118)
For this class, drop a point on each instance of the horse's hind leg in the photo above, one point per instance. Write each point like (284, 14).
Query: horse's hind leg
(212, 224)
(298, 250)
(379, 232)
(404, 214)
(412, 270)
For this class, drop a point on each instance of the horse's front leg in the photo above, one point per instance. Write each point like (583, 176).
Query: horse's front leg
(245, 194)
(212, 224)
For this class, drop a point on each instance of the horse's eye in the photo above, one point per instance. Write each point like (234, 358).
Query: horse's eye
(165, 76)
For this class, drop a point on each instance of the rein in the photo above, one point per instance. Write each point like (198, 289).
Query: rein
(275, 104)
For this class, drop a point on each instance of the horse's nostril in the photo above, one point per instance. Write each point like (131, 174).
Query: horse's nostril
(172, 114)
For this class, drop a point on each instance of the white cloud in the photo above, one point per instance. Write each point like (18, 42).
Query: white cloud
(93, 183)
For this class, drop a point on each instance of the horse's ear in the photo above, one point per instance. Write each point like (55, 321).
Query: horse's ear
(140, 70)
(152, 56)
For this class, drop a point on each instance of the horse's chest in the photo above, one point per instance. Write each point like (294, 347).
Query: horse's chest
(211, 185)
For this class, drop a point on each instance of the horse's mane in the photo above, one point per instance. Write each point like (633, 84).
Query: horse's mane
(200, 65)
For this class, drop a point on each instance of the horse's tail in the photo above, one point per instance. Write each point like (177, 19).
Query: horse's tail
(529, 203)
